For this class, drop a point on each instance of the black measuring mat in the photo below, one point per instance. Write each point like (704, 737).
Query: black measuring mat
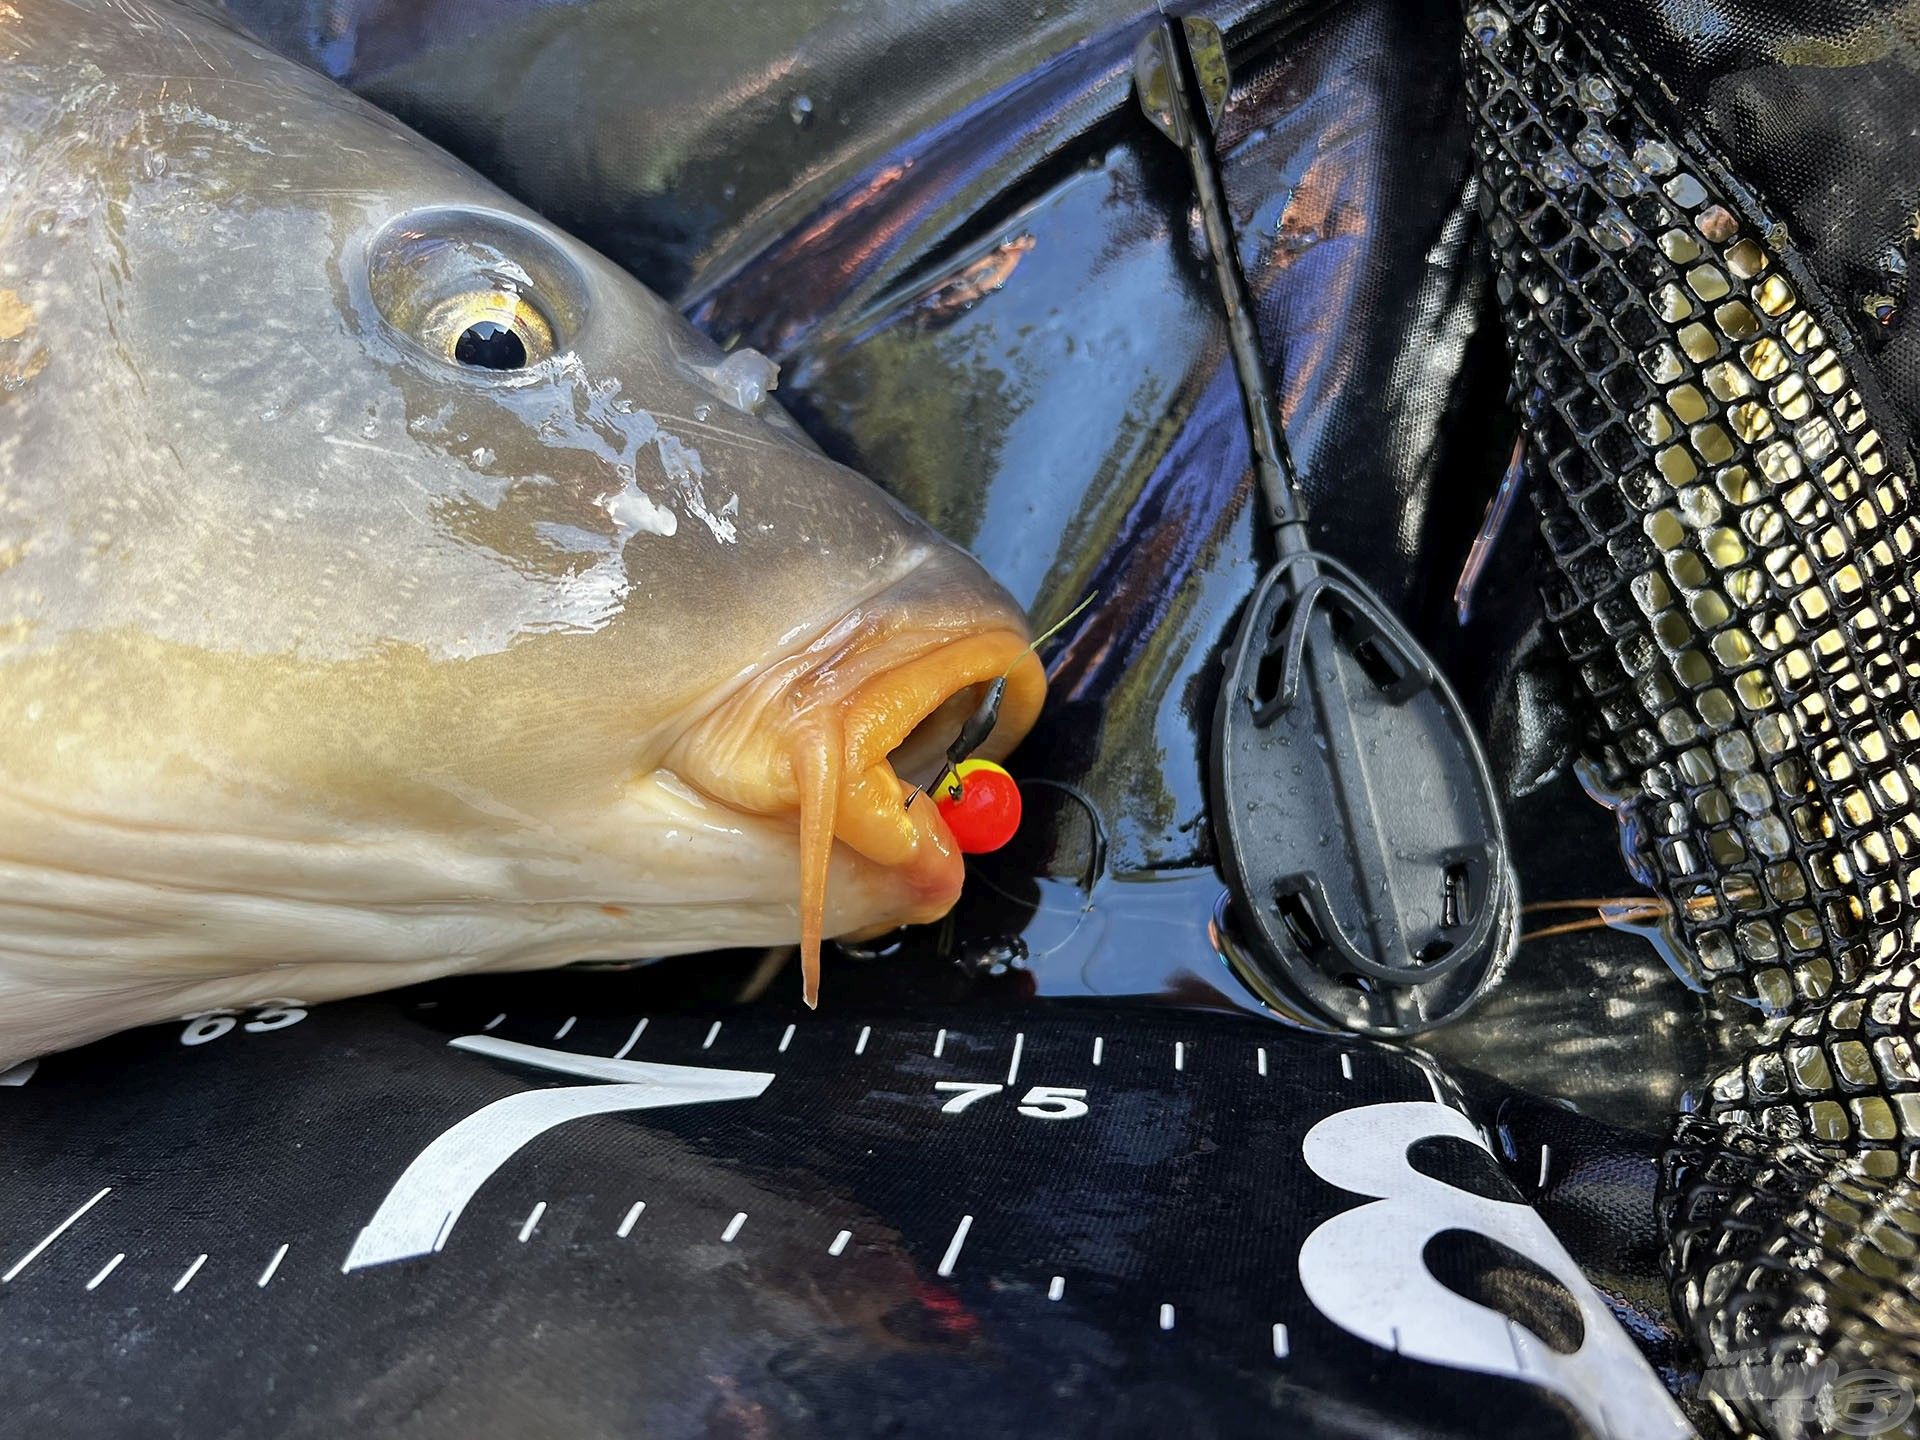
(514, 1207)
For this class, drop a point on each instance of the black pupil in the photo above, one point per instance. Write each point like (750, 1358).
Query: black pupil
(489, 345)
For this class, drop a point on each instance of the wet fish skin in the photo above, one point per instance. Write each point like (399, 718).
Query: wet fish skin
(328, 663)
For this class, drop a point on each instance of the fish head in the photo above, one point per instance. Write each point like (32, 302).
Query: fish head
(390, 584)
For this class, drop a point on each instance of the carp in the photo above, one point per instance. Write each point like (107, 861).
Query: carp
(390, 586)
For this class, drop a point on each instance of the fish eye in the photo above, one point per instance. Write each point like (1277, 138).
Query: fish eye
(488, 330)
(481, 292)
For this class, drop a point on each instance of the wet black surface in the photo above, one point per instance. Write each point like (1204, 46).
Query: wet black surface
(977, 270)
(728, 1304)
(950, 227)
(980, 271)
(991, 295)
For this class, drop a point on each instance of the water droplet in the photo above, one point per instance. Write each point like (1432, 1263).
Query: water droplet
(1769, 836)
(1558, 172)
(1612, 229)
(1487, 26)
(1751, 794)
(701, 412)
(1655, 157)
(1593, 146)
(994, 955)
(1622, 180)
(1597, 94)
(800, 110)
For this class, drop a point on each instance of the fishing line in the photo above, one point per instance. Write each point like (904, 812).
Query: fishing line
(979, 725)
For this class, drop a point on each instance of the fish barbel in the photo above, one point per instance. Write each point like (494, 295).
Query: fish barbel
(391, 586)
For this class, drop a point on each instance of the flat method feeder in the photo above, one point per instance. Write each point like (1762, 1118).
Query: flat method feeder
(1352, 804)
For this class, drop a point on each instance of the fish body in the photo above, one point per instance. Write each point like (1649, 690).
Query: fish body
(391, 586)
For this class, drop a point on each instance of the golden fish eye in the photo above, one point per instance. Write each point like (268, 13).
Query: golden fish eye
(477, 292)
(488, 330)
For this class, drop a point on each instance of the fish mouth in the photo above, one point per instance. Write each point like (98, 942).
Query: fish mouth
(836, 737)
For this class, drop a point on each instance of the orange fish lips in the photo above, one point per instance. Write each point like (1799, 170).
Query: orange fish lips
(836, 736)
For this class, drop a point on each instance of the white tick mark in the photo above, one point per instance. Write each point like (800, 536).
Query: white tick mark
(953, 1246)
(1179, 1054)
(106, 1270)
(1280, 1343)
(533, 1219)
(632, 1040)
(1544, 1156)
(633, 1214)
(1056, 1287)
(495, 1021)
(1099, 1048)
(860, 1045)
(1019, 1044)
(712, 1033)
(1263, 1060)
(786, 1039)
(561, 1033)
(272, 1265)
(733, 1226)
(939, 1044)
(1346, 1066)
(53, 1235)
(187, 1279)
(1166, 1317)
(839, 1242)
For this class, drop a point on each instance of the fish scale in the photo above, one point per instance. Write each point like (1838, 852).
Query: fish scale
(1733, 550)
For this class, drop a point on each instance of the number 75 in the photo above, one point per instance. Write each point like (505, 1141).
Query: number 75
(1042, 1102)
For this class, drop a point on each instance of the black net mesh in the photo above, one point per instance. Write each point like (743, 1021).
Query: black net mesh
(1734, 553)
(1734, 550)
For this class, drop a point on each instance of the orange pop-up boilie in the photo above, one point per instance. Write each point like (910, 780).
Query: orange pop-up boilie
(981, 805)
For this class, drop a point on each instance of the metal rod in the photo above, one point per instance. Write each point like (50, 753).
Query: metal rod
(1273, 463)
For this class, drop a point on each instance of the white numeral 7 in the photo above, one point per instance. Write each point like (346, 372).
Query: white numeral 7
(965, 1094)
